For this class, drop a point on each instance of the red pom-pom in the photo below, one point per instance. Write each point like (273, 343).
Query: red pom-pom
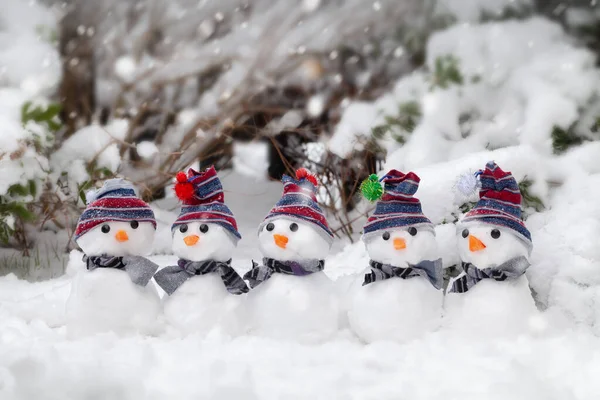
(302, 173)
(181, 177)
(184, 191)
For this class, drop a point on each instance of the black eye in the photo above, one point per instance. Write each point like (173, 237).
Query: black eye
(293, 227)
(270, 226)
(465, 233)
(413, 231)
(495, 233)
(134, 224)
(386, 236)
(183, 228)
(203, 228)
(105, 228)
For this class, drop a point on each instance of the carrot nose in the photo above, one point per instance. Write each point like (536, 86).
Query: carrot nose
(399, 244)
(122, 236)
(475, 244)
(191, 239)
(280, 240)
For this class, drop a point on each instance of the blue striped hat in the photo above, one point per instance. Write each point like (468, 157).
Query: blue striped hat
(203, 201)
(116, 200)
(397, 207)
(299, 202)
(499, 203)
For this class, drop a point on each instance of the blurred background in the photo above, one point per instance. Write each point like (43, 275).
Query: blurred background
(91, 90)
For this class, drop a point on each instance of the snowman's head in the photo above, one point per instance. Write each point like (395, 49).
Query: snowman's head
(296, 228)
(118, 238)
(493, 231)
(199, 241)
(486, 245)
(287, 239)
(205, 228)
(401, 246)
(115, 222)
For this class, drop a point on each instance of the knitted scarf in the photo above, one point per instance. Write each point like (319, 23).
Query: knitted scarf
(430, 270)
(511, 269)
(140, 269)
(171, 278)
(260, 273)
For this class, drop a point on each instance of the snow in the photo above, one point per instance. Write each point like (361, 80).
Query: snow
(521, 78)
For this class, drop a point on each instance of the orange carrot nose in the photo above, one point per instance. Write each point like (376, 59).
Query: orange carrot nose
(191, 239)
(475, 244)
(399, 244)
(122, 236)
(280, 240)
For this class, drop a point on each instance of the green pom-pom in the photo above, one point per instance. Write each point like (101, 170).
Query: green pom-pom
(371, 188)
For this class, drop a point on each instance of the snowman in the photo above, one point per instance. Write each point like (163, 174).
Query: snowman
(400, 298)
(113, 292)
(491, 297)
(201, 287)
(292, 298)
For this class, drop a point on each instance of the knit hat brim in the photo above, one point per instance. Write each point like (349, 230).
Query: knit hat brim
(380, 226)
(119, 209)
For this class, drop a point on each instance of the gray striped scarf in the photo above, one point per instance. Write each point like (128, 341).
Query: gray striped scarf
(260, 273)
(430, 270)
(171, 278)
(139, 269)
(511, 269)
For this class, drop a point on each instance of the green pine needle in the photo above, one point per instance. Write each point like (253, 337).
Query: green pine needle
(371, 188)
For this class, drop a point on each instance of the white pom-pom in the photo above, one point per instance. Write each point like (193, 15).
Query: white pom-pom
(467, 184)
(90, 196)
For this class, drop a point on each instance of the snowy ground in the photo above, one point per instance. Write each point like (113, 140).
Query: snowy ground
(521, 79)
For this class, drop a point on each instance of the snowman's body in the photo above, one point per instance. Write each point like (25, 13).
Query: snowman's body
(490, 307)
(106, 299)
(395, 308)
(202, 303)
(301, 308)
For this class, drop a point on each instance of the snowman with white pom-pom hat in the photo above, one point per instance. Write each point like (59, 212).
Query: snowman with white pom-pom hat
(292, 297)
(113, 292)
(492, 295)
(400, 297)
(202, 288)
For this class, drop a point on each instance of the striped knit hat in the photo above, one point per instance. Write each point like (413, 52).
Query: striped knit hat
(397, 207)
(299, 202)
(203, 201)
(499, 203)
(116, 200)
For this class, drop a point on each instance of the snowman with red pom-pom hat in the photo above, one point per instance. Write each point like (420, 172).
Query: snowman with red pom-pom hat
(292, 297)
(492, 297)
(113, 292)
(203, 289)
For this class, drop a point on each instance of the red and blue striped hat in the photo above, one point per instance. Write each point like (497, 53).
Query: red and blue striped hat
(499, 203)
(116, 200)
(203, 201)
(299, 202)
(397, 207)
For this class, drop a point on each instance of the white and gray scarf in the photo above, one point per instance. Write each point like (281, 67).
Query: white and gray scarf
(430, 270)
(171, 278)
(511, 269)
(139, 269)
